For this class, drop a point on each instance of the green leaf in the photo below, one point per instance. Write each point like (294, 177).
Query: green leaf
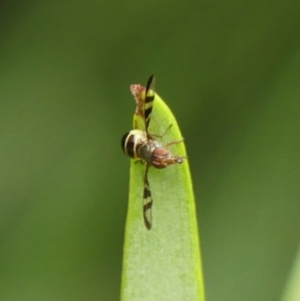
(163, 263)
(292, 290)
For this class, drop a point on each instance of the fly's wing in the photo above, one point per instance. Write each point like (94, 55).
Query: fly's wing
(149, 98)
(144, 97)
(147, 206)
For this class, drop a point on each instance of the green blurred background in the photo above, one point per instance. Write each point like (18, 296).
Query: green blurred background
(230, 72)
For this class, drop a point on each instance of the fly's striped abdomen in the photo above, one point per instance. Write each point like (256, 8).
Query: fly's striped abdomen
(132, 141)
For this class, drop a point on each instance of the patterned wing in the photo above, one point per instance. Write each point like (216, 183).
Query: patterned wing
(147, 207)
(144, 97)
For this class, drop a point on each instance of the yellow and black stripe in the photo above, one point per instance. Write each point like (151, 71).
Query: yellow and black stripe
(132, 141)
(147, 208)
(149, 98)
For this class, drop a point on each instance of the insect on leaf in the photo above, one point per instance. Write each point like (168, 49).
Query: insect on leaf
(164, 263)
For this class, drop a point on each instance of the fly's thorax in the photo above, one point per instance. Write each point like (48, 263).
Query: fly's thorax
(145, 150)
(132, 141)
